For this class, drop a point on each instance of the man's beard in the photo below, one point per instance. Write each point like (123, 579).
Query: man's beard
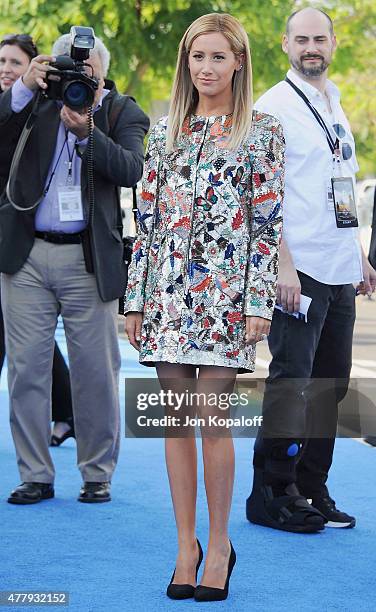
(307, 69)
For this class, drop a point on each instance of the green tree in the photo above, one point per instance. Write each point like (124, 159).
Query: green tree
(143, 37)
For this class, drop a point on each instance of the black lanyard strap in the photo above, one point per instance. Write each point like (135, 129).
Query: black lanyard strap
(70, 155)
(70, 163)
(333, 144)
(56, 165)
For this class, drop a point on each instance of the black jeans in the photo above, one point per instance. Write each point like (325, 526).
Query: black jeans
(61, 389)
(317, 357)
(2, 339)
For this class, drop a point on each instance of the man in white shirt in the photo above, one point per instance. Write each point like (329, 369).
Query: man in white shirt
(320, 258)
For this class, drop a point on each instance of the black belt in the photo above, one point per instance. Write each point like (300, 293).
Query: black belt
(60, 238)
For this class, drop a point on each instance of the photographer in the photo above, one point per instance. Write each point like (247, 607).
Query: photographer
(16, 53)
(65, 256)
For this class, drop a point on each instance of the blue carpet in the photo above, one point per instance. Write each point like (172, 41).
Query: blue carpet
(120, 556)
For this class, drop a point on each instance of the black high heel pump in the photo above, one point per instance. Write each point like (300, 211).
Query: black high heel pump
(184, 591)
(207, 593)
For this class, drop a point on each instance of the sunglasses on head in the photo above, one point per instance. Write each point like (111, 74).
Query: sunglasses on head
(24, 41)
(22, 37)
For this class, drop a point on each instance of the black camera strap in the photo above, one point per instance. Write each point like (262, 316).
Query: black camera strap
(87, 238)
(90, 165)
(18, 154)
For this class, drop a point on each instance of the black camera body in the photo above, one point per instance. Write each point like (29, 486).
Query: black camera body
(69, 81)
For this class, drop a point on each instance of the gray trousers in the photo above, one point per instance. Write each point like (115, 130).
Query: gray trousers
(54, 281)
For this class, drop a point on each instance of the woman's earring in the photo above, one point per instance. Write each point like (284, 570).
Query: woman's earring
(240, 67)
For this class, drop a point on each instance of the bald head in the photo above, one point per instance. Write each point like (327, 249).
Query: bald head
(309, 43)
(305, 15)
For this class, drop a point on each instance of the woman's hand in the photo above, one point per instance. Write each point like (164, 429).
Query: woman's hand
(368, 285)
(256, 329)
(133, 323)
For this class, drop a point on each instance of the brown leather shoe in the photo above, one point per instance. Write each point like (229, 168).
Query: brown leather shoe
(31, 493)
(95, 492)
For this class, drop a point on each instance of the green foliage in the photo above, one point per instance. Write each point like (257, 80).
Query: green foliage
(143, 37)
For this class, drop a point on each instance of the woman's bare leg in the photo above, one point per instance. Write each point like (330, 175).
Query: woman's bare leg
(219, 467)
(181, 460)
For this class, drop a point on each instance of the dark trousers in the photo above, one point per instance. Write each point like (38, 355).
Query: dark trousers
(308, 377)
(61, 389)
(2, 339)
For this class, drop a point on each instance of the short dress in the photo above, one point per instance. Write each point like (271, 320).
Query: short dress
(208, 234)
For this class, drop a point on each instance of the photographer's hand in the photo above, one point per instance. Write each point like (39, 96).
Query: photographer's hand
(35, 75)
(75, 122)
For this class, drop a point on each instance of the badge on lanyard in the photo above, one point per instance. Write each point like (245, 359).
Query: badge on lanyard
(344, 202)
(337, 172)
(329, 196)
(340, 190)
(70, 203)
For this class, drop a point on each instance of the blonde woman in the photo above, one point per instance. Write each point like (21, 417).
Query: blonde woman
(202, 281)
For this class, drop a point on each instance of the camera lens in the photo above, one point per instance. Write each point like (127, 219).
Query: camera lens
(77, 95)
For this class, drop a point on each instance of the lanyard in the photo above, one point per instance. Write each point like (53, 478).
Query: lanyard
(333, 144)
(70, 157)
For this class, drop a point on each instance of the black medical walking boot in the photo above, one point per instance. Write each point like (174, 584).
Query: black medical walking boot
(275, 500)
(283, 509)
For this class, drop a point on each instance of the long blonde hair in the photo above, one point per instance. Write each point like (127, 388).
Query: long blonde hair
(184, 95)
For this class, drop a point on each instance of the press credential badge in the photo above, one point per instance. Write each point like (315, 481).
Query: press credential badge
(70, 203)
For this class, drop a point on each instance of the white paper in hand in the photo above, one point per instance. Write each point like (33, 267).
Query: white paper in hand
(305, 303)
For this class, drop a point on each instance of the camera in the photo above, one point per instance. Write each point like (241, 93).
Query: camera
(69, 81)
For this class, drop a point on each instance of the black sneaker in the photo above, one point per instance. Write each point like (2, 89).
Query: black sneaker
(335, 517)
(370, 440)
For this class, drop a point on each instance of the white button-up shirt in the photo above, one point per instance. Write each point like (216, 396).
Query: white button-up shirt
(318, 247)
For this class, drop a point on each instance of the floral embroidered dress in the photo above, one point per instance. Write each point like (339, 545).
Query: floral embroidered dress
(206, 252)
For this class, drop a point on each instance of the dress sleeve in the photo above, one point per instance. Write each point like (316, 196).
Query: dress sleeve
(137, 272)
(266, 219)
